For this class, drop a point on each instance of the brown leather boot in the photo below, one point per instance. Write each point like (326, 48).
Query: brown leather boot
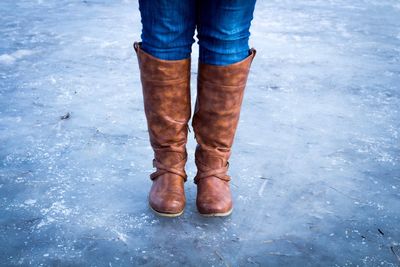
(220, 92)
(166, 94)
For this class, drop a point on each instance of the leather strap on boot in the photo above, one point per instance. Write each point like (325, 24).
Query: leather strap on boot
(204, 171)
(178, 169)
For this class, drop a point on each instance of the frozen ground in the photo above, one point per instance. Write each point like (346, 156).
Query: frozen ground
(316, 163)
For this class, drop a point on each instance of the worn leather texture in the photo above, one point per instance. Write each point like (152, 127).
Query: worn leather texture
(220, 91)
(166, 97)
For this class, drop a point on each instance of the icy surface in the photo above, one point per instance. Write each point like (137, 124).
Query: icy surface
(315, 165)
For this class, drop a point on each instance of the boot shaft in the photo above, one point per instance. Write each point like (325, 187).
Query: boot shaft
(166, 97)
(220, 92)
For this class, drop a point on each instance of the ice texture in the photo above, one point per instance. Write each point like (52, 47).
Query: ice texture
(315, 165)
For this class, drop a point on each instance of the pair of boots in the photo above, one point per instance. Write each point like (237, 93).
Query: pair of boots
(166, 94)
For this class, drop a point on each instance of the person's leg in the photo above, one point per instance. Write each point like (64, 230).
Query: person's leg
(168, 27)
(224, 64)
(164, 62)
(223, 30)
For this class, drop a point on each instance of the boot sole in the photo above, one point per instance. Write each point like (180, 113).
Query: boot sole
(164, 214)
(217, 214)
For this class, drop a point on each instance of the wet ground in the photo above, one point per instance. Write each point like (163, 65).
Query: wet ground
(315, 165)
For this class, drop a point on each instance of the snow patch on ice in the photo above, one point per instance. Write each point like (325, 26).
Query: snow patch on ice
(30, 202)
(8, 59)
(121, 236)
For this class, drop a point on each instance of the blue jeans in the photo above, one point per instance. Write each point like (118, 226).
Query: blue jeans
(222, 29)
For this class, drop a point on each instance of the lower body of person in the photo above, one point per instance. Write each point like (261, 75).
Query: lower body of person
(164, 57)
